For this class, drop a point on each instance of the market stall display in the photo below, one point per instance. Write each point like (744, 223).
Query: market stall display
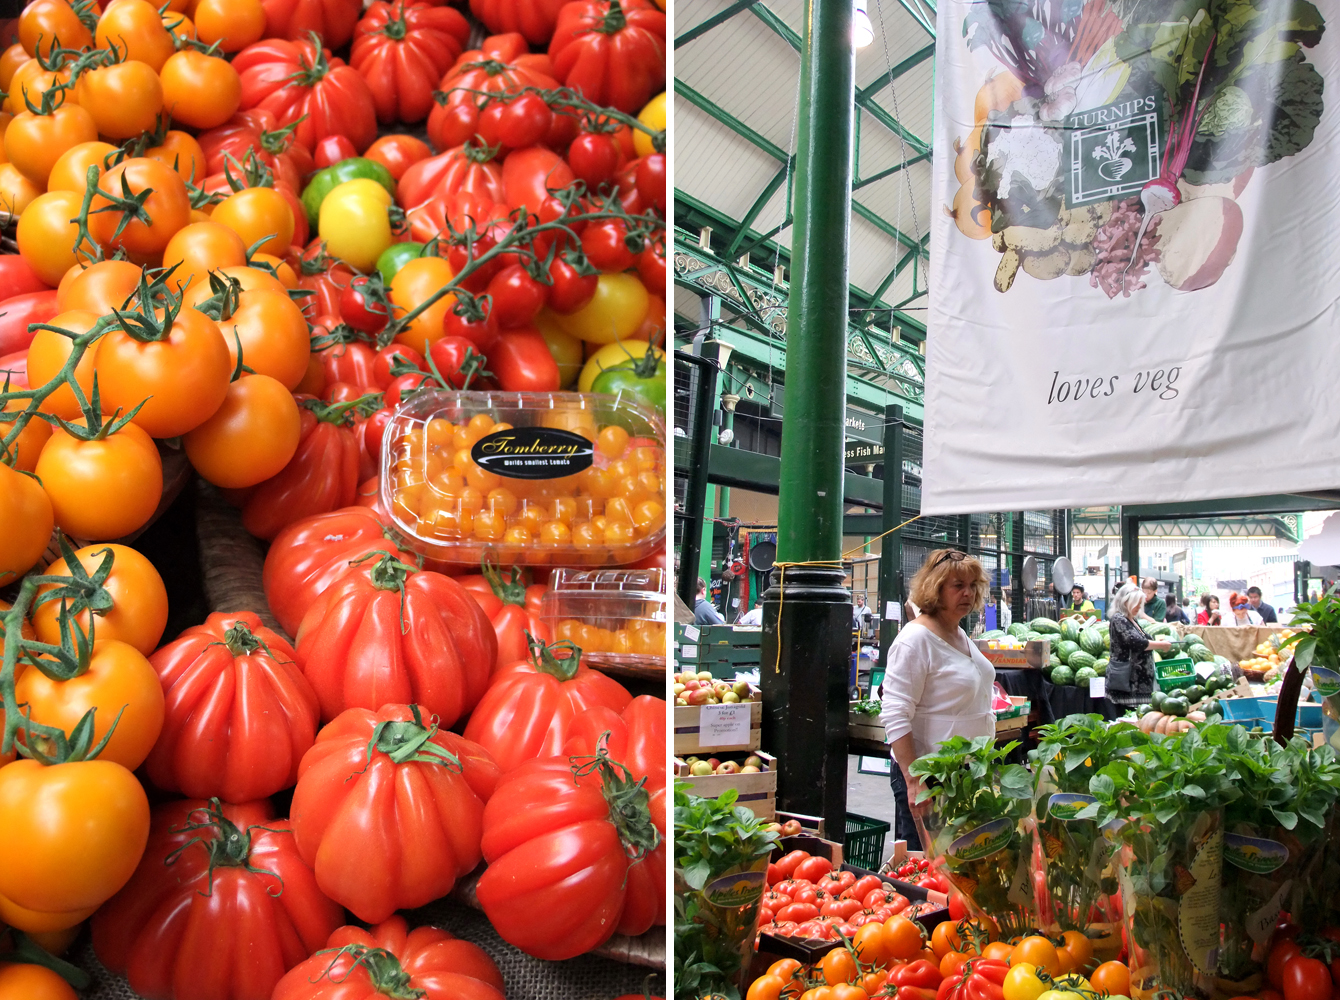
(230, 254)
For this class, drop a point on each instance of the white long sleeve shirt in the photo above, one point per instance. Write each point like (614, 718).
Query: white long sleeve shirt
(934, 691)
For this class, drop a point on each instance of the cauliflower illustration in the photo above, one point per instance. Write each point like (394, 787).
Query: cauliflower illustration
(1026, 148)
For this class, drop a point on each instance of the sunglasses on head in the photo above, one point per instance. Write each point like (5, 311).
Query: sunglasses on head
(951, 555)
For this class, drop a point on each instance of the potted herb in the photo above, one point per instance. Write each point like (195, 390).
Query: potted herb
(1171, 794)
(1317, 648)
(1274, 833)
(1076, 854)
(976, 827)
(721, 861)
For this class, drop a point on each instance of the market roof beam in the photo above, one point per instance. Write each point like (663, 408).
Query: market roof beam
(707, 24)
(913, 7)
(915, 59)
(713, 109)
(867, 104)
(889, 278)
(748, 470)
(778, 179)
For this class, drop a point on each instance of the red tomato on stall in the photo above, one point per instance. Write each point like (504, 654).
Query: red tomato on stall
(240, 715)
(402, 49)
(426, 961)
(533, 19)
(522, 362)
(512, 606)
(296, 78)
(467, 168)
(562, 877)
(310, 555)
(259, 132)
(320, 273)
(389, 811)
(333, 20)
(331, 150)
(636, 736)
(221, 902)
(385, 634)
(531, 176)
(530, 705)
(613, 52)
(321, 476)
(502, 65)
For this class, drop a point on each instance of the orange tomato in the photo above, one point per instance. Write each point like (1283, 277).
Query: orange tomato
(235, 23)
(412, 285)
(1079, 947)
(48, 353)
(869, 943)
(33, 982)
(120, 683)
(952, 962)
(125, 98)
(201, 91)
(838, 966)
(766, 987)
(1113, 978)
(99, 288)
(33, 143)
(998, 951)
(139, 599)
(10, 60)
(168, 208)
(28, 445)
(257, 214)
(70, 171)
(135, 29)
(282, 270)
(201, 247)
(945, 939)
(182, 153)
(101, 489)
(30, 82)
(26, 520)
(903, 938)
(47, 236)
(16, 191)
(183, 377)
(1038, 951)
(44, 22)
(251, 437)
(272, 334)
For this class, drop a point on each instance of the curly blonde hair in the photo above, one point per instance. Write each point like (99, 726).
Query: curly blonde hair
(937, 569)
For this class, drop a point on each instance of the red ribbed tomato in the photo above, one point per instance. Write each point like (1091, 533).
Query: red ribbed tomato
(257, 131)
(554, 847)
(637, 736)
(466, 168)
(530, 178)
(240, 714)
(613, 52)
(402, 49)
(383, 634)
(512, 606)
(535, 19)
(426, 961)
(322, 475)
(310, 555)
(460, 208)
(529, 707)
(220, 907)
(293, 79)
(320, 273)
(333, 20)
(389, 811)
(502, 64)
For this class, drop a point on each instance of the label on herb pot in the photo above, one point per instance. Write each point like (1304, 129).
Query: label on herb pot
(1326, 681)
(533, 453)
(1198, 912)
(1253, 854)
(1261, 924)
(736, 889)
(1065, 806)
(983, 841)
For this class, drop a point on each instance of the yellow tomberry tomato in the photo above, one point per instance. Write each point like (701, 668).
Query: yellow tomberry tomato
(614, 313)
(653, 116)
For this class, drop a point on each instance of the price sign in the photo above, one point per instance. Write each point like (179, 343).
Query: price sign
(1097, 687)
(723, 725)
(691, 633)
(688, 652)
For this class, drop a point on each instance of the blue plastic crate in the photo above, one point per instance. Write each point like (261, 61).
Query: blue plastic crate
(1241, 709)
(1309, 716)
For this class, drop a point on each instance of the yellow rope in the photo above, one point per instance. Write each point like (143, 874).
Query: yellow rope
(835, 563)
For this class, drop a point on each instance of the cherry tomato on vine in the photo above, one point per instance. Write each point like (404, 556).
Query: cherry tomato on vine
(605, 244)
(361, 309)
(594, 158)
(574, 283)
(167, 206)
(388, 356)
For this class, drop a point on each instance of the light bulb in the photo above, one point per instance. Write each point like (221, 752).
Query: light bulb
(862, 31)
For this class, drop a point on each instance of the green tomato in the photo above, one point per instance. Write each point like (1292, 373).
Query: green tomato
(355, 226)
(396, 256)
(325, 181)
(643, 377)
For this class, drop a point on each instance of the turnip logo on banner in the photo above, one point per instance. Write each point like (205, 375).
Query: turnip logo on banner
(1122, 237)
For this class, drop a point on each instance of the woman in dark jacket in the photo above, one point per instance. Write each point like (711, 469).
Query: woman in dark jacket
(1130, 670)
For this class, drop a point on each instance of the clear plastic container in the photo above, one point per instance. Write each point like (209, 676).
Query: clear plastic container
(617, 616)
(533, 478)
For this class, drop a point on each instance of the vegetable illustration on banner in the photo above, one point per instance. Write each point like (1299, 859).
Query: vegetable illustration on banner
(1112, 139)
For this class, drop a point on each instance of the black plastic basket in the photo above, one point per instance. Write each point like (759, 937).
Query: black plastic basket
(863, 844)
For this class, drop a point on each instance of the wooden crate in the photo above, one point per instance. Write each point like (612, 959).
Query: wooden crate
(861, 726)
(1031, 657)
(686, 731)
(758, 791)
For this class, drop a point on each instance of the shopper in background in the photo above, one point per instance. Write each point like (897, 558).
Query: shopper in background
(1263, 609)
(703, 611)
(1189, 610)
(860, 614)
(1155, 609)
(1242, 615)
(1130, 671)
(754, 616)
(1175, 612)
(1079, 601)
(1209, 610)
(938, 683)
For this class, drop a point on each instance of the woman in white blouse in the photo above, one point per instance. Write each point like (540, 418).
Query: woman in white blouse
(938, 684)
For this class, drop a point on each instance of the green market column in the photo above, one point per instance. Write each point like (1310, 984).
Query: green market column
(806, 654)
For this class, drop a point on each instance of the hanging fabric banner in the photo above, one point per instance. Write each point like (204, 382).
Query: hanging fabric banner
(1134, 280)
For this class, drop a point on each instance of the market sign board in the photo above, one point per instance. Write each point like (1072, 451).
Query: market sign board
(1135, 275)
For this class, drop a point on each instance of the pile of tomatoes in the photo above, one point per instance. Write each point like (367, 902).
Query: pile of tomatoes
(1303, 966)
(957, 961)
(227, 258)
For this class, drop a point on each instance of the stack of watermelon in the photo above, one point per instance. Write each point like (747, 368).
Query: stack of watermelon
(1079, 652)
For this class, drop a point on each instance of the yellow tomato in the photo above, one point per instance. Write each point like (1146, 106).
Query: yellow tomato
(653, 116)
(1022, 983)
(614, 313)
(609, 356)
(566, 349)
(354, 223)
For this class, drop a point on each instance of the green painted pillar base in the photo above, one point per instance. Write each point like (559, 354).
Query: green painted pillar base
(804, 666)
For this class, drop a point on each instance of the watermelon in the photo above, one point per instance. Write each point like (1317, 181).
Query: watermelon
(1083, 676)
(1159, 628)
(1080, 660)
(994, 633)
(1091, 641)
(1070, 630)
(1107, 641)
(1200, 653)
(1019, 630)
(1036, 637)
(1100, 666)
(1062, 675)
(1066, 649)
(1045, 625)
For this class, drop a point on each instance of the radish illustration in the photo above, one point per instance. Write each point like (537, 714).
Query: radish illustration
(1161, 193)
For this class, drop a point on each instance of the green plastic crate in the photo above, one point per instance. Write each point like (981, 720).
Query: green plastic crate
(863, 844)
